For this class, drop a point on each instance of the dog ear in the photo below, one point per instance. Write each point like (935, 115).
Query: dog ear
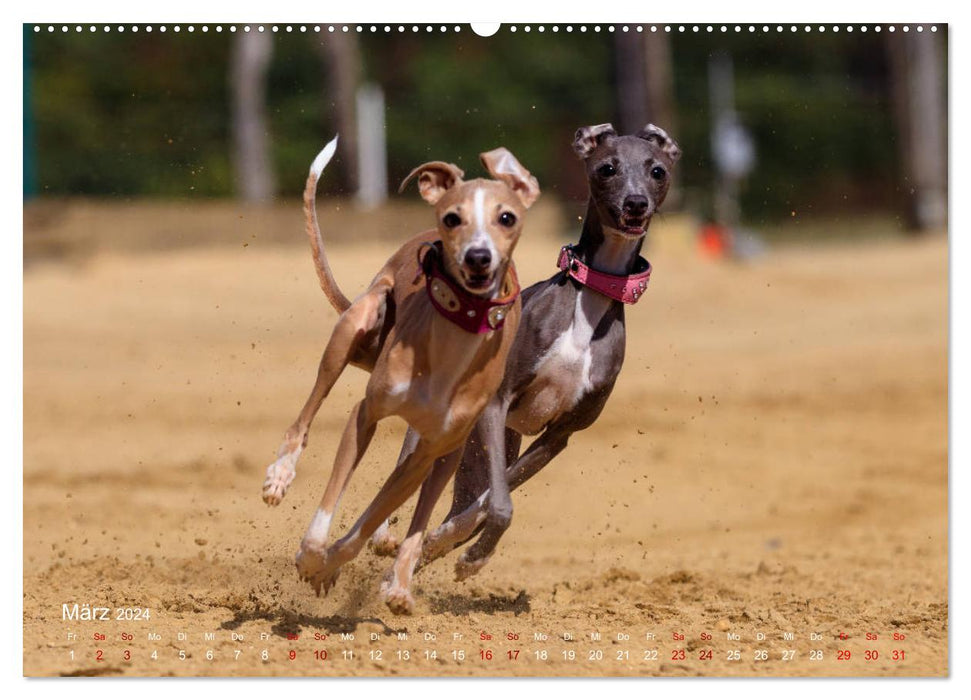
(503, 166)
(659, 136)
(588, 138)
(434, 179)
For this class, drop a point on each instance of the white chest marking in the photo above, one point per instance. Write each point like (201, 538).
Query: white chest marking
(569, 358)
(562, 373)
(399, 388)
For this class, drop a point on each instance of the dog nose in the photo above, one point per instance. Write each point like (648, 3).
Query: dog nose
(478, 259)
(635, 205)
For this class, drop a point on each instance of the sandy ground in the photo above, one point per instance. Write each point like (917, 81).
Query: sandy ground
(773, 460)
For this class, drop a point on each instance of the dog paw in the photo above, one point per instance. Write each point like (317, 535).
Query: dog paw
(398, 599)
(317, 568)
(465, 567)
(279, 476)
(384, 544)
(437, 544)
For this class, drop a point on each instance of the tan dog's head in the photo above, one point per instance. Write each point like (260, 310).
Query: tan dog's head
(479, 220)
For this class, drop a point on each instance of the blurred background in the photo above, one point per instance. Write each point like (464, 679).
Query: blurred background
(818, 134)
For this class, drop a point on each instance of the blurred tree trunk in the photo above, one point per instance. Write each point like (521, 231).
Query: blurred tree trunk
(632, 97)
(253, 169)
(644, 84)
(918, 91)
(660, 83)
(30, 147)
(342, 56)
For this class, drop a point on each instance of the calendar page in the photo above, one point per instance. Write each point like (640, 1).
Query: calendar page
(450, 350)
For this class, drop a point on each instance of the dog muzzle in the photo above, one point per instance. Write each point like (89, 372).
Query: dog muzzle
(467, 311)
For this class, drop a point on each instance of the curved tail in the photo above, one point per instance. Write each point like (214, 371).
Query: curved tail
(327, 282)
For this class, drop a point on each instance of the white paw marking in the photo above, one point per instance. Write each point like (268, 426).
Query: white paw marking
(319, 529)
(279, 476)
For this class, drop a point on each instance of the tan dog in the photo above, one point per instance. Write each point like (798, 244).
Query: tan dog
(434, 327)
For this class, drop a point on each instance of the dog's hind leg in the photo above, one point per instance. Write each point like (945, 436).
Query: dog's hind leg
(396, 588)
(383, 542)
(352, 326)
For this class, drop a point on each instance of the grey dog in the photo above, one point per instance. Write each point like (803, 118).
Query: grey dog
(570, 345)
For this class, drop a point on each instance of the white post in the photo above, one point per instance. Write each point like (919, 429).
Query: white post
(252, 165)
(928, 141)
(372, 155)
(731, 143)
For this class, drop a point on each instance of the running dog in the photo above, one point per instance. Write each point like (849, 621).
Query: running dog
(434, 328)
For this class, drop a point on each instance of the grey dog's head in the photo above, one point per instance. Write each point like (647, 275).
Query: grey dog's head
(628, 176)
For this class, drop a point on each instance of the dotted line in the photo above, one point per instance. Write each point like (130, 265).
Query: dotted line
(428, 29)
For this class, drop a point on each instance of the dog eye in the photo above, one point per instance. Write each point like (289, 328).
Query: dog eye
(606, 170)
(507, 219)
(451, 220)
(658, 173)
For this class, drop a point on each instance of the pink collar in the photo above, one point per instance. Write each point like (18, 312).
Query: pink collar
(467, 311)
(627, 289)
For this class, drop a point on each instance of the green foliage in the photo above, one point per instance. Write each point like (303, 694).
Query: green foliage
(453, 97)
(148, 114)
(818, 107)
(131, 114)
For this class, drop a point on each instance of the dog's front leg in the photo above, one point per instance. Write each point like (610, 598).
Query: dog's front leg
(463, 526)
(321, 568)
(472, 478)
(540, 453)
(351, 328)
(396, 588)
(313, 562)
(492, 433)
(547, 446)
(470, 495)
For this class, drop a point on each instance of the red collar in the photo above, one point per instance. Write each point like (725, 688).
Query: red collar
(467, 311)
(627, 289)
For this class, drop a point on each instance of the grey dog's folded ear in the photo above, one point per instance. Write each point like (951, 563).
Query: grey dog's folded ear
(659, 136)
(503, 166)
(588, 138)
(434, 179)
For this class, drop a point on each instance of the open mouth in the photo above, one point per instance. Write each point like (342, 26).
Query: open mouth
(476, 281)
(633, 227)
